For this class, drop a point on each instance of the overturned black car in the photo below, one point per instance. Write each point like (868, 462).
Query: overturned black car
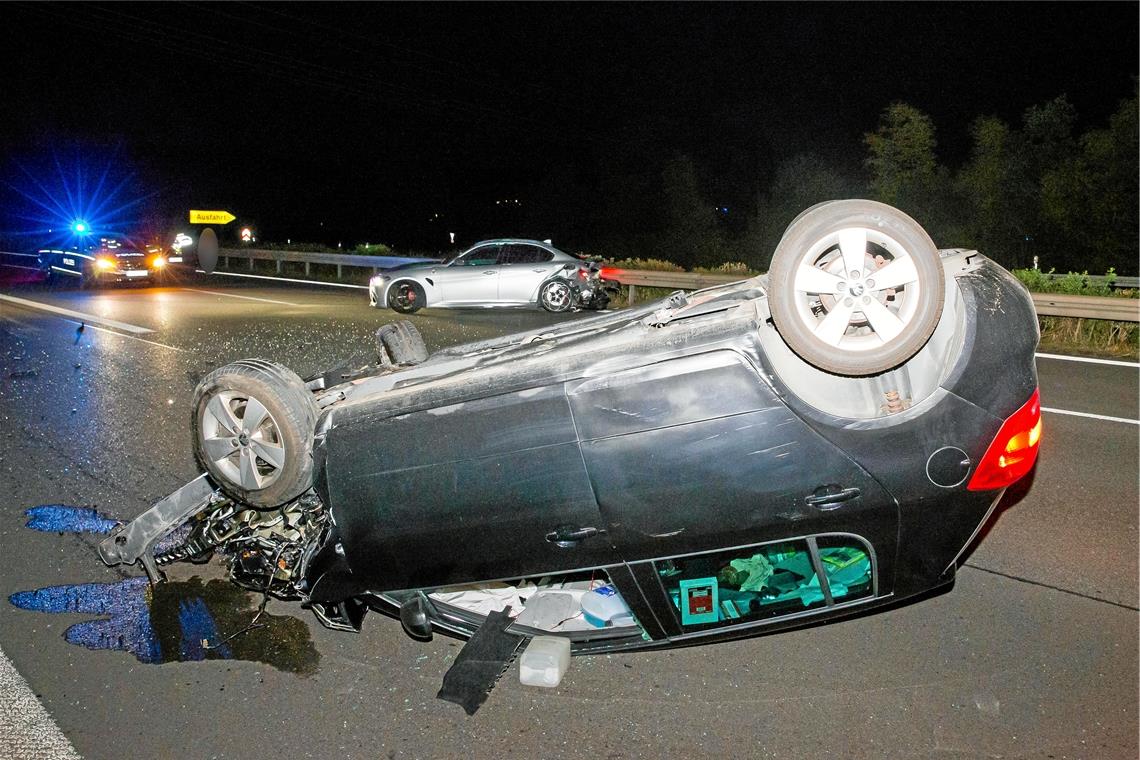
(793, 447)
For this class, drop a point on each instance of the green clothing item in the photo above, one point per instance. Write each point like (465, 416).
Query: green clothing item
(756, 569)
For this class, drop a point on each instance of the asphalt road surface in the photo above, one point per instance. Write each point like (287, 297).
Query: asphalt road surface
(1032, 654)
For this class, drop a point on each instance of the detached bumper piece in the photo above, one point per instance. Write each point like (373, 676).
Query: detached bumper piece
(481, 663)
(135, 541)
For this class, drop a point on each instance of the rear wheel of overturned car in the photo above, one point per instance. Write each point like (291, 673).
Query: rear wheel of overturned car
(253, 432)
(406, 297)
(856, 287)
(554, 295)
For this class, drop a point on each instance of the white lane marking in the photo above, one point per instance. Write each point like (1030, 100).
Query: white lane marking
(1086, 360)
(26, 728)
(1106, 418)
(89, 318)
(248, 298)
(288, 279)
(132, 337)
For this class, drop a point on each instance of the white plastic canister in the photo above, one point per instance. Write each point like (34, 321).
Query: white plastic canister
(545, 661)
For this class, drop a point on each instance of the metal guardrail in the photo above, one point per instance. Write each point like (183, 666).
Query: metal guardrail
(1088, 307)
(1047, 304)
(339, 260)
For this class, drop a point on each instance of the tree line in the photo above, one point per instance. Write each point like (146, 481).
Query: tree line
(1037, 190)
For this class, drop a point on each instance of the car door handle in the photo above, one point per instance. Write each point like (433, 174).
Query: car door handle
(832, 497)
(540, 270)
(567, 536)
(491, 272)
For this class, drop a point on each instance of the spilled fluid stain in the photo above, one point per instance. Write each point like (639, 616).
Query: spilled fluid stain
(173, 621)
(170, 622)
(60, 518)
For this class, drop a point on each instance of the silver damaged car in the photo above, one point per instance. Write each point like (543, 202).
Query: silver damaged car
(503, 272)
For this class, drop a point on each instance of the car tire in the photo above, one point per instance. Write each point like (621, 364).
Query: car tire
(829, 301)
(406, 297)
(270, 463)
(400, 343)
(555, 296)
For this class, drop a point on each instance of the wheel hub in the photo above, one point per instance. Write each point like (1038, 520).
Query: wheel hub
(242, 440)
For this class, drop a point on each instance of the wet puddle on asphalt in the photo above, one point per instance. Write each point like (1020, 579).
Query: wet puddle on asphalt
(176, 621)
(60, 518)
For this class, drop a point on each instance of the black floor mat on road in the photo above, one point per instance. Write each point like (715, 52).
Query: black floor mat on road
(480, 663)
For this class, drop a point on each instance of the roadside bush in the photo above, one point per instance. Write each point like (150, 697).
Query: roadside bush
(1072, 283)
(1078, 334)
(729, 267)
(653, 265)
(736, 268)
(643, 293)
(372, 249)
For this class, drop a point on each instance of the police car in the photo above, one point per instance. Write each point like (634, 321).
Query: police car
(110, 261)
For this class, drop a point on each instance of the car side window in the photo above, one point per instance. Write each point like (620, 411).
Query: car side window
(484, 255)
(846, 563)
(524, 254)
(510, 254)
(766, 581)
(535, 255)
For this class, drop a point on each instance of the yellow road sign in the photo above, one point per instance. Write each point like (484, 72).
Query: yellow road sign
(210, 217)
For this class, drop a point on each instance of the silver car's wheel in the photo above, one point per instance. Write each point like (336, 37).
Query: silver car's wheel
(856, 287)
(253, 432)
(406, 297)
(555, 296)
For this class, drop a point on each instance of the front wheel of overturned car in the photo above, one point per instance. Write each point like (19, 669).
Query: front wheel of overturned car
(555, 296)
(401, 344)
(253, 432)
(856, 287)
(406, 297)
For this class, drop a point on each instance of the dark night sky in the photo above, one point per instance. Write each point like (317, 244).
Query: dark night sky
(369, 116)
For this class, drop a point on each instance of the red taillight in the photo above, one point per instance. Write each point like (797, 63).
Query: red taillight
(583, 273)
(1014, 449)
(609, 273)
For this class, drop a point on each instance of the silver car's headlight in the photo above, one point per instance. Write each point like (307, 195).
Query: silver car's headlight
(375, 288)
